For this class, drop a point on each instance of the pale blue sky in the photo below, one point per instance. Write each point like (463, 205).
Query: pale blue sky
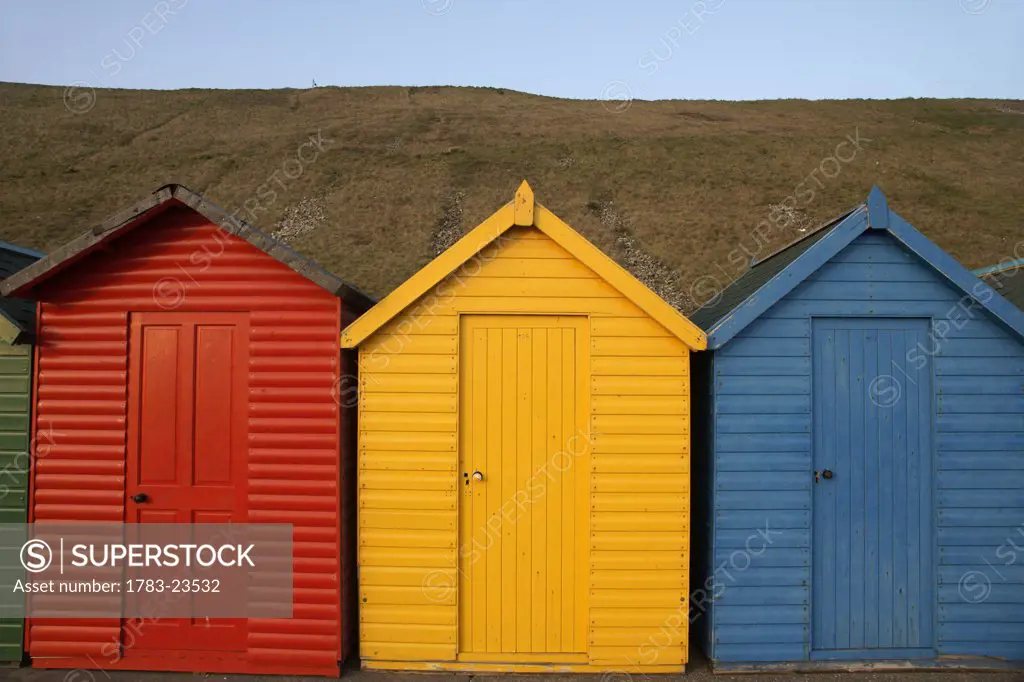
(655, 49)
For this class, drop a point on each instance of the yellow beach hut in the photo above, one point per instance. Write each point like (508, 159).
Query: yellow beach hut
(524, 460)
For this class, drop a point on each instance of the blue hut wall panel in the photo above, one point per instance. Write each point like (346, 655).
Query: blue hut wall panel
(867, 458)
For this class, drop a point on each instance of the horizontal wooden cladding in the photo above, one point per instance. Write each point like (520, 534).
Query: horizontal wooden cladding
(291, 458)
(410, 460)
(762, 366)
(677, 501)
(421, 320)
(666, 636)
(632, 327)
(418, 421)
(423, 577)
(93, 406)
(529, 268)
(380, 595)
(293, 377)
(640, 423)
(307, 426)
(769, 347)
(754, 404)
(86, 467)
(407, 383)
(979, 403)
(426, 615)
(981, 463)
(558, 305)
(308, 407)
(294, 348)
(669, 599)
(286, 331)
(646, 620)
(667, 660)
(762, 423)
(386, 403)
(406, 499)
(641, 366)
(67, 378)
(618, 560)
(630, 443)
(442, 564)
(870, 291)
(637, 346)
(641, 482)
(412, 633)
(72, 509)
(239, 273)
(893, 272)
(538, 287)
(404, 480)
(226, 302)
(633, 463)
(415, 344)
(511, 246)
(664, 521)
(980, 422)
(307, 643)
(52, 487)
(675, 386)
(405, 651)
(407, 364)
(634, 540)
(419, 520)
(401, 440)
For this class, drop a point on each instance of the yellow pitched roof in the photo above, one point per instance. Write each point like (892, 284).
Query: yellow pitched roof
(523, 211)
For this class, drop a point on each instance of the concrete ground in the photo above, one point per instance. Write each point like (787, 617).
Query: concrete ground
(697, 671)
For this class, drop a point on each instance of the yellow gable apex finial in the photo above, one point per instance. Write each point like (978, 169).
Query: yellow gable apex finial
(523, 214)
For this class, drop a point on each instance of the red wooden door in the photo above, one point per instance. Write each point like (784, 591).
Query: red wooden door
(186, 460)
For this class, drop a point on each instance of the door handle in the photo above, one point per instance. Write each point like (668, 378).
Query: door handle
(826, 474)
(141, 498)
(478, 476)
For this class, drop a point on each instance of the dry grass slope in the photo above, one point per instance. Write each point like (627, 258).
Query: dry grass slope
(673, 189)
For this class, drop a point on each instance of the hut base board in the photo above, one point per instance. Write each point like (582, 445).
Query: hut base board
(532, 668)
(224, 663)
(965, 664)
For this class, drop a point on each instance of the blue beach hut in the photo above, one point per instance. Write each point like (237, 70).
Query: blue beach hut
(860, 465)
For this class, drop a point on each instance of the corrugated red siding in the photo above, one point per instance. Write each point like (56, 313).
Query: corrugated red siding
(294, 430)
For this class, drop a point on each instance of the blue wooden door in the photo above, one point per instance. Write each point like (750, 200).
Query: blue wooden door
(872, 592)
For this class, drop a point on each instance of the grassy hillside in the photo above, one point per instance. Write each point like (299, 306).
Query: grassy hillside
(673, 189)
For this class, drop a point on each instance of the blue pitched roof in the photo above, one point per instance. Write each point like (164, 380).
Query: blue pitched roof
(754, 293)
(21, 312)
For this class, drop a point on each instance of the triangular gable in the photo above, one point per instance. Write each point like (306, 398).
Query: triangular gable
(169, 195)
(523, 211)
(875, 214)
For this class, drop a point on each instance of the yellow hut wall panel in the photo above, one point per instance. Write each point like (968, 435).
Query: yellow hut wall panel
(574, 555)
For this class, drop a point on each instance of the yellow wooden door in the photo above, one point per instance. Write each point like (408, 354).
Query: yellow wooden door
(524, 499)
